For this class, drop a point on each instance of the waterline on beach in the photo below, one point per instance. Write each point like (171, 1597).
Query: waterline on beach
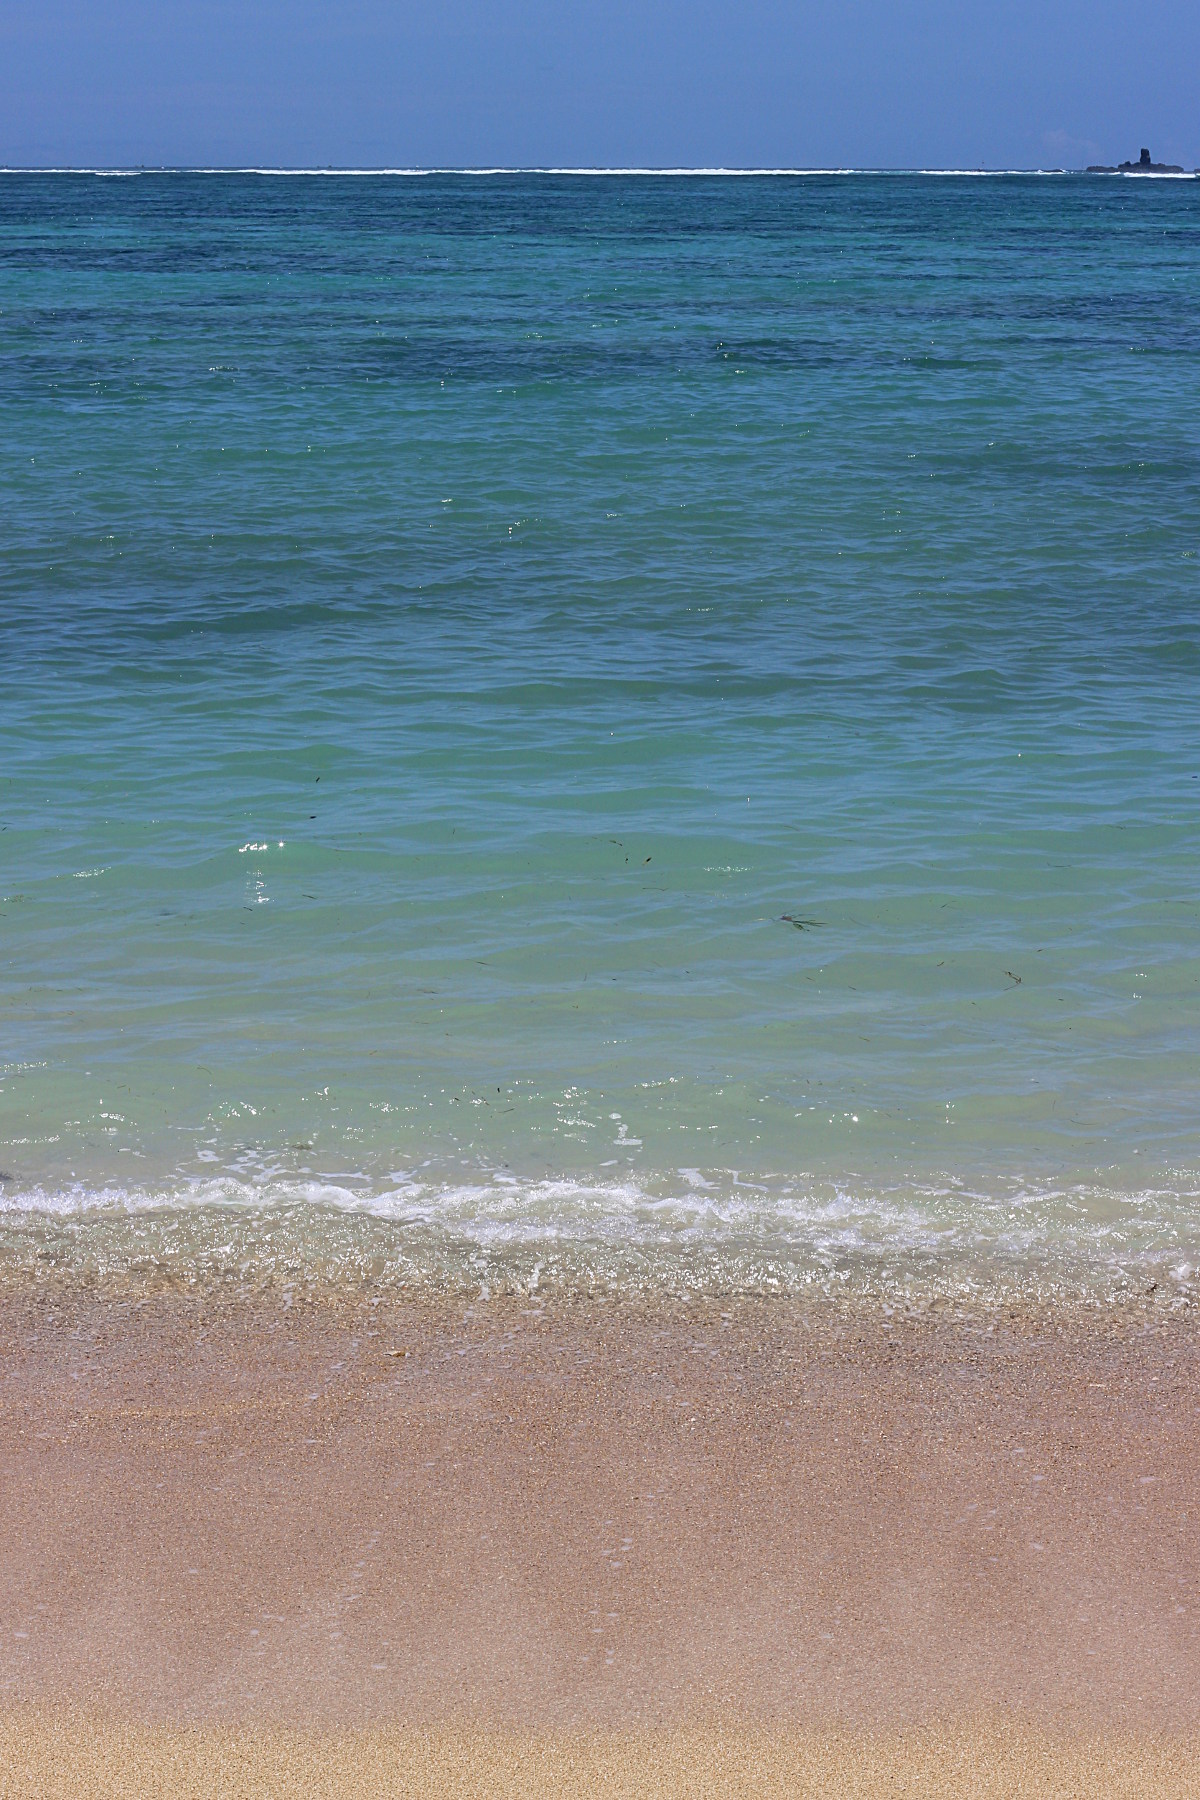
(703, 1235)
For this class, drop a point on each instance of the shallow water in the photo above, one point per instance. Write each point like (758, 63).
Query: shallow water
(632, 730)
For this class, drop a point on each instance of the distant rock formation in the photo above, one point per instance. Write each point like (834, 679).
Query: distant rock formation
(1143, 166)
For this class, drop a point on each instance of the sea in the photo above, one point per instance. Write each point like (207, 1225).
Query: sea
(609, 733)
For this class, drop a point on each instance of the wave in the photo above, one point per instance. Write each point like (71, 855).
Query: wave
(689, 1232)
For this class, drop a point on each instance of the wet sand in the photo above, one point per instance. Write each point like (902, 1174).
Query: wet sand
(510, 1548)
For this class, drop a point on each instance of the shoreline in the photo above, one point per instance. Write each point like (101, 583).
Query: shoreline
(362, 1521)
(313, 1254)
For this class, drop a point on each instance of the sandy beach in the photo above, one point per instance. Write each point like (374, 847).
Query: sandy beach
(57, 1755)
(372, 1544)
(599, 1149)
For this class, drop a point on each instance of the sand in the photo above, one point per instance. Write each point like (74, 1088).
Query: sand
(60, 1756)
(368, 1544)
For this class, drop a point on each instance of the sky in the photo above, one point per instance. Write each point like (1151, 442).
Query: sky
(653, 83)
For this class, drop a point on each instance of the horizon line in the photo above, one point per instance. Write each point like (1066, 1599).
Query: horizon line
(483, 170)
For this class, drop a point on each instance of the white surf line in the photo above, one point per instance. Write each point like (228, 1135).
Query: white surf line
(338, 173)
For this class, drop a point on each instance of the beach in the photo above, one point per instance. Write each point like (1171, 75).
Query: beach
(503, 1547)
(599, 1160)
(52, 1755)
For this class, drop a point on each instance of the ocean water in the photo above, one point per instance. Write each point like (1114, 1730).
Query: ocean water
(617, 731)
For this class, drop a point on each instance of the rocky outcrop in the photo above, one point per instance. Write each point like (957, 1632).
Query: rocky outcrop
(1143, 166)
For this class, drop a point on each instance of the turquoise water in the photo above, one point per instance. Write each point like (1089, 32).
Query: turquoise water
(602, 729)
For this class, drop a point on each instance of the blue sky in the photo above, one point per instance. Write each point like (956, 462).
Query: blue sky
(627, 82)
